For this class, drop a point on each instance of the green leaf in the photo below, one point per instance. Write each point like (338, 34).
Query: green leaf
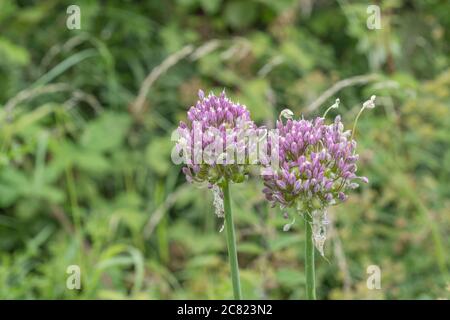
(107, 132)
(211, 6)
(254, 96)
(92, 162)
(13, 184)
(13, 53)
(250, 248)
(158, 155)
(240, 14)
(283, 241)
(290, 278)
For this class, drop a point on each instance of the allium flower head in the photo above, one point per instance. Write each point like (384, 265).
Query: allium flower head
(317, 168)
(212, 137)
(317, 165)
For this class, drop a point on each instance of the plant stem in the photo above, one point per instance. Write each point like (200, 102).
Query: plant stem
(309, 259)
(231, 242)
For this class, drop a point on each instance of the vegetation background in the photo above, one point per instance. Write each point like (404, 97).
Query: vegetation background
(86, 118)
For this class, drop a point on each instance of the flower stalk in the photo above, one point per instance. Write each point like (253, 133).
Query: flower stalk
(309, 259)
(231, 242)
(213, 129)
(318, 164)
(369, 104)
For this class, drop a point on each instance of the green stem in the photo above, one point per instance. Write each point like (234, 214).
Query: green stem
(309, 260)
(231, 242)
(356, 122)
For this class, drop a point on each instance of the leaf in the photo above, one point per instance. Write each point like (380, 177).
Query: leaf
(106, 132)
(297, 56)
(290, 278)
(254, 96)
(240, 14)
(211, 6)
(13, 184)
(12, 53)
(92, 162)
(158, 154)
(250, 248)
(283, 241)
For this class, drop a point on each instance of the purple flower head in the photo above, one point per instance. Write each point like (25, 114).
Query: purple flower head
(212, 141)
(317, 165)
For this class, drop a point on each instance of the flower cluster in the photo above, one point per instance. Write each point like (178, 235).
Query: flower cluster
(317, 165)
(317, 168)
(316, 162)
(212, 137)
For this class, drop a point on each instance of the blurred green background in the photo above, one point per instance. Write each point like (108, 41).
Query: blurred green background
(86, 118)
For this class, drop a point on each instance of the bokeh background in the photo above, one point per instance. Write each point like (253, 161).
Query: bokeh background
(86, 118)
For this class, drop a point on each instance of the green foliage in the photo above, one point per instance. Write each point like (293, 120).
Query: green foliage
(86, 176)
